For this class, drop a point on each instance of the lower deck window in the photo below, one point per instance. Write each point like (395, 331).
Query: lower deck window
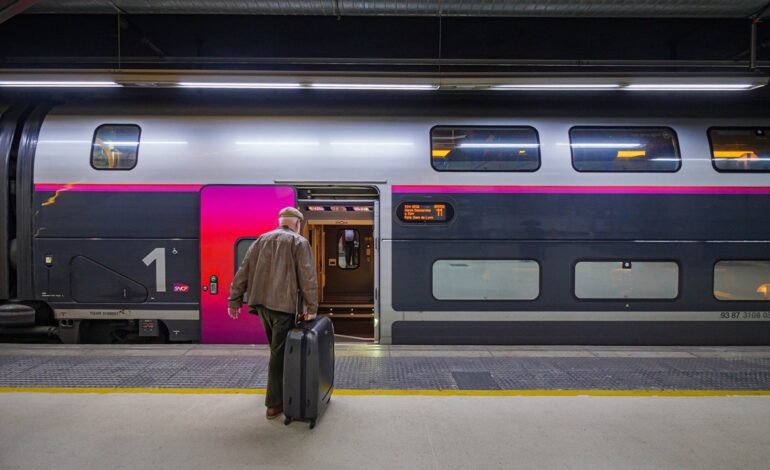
(486, 279)
(626, 280)
(742, 280)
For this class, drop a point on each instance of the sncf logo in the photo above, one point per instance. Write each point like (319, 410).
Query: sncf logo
(183, 288)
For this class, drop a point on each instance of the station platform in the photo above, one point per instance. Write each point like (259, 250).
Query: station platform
(198, 406)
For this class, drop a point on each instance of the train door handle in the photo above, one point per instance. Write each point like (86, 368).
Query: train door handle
(213, 285)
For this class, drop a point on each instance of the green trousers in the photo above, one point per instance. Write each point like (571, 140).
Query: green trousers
(277, 326)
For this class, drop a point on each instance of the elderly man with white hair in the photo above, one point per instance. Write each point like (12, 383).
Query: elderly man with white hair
(277, 265)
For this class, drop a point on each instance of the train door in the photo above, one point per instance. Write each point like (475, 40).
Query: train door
(343, 234)
(231, 217)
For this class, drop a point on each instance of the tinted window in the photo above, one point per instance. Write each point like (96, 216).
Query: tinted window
(624, 149)
(115, 147)
(484, 149)
(742, 280)
(626, 280)
(486, 279)
(746, 149)
(241, 247)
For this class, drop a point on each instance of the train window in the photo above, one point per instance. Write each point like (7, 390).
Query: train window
(740, 149)
(643, 149)
(486, 279)
(115, 147)
(484, 148)
(742, 280)
(348, 243)
(626, 280)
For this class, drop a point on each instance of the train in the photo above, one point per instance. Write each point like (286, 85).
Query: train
(519, 223)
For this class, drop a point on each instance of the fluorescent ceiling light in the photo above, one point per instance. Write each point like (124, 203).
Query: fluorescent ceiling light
(558, 86)
(57, 84)
(690, 86)
(278, 143)
(372, 86)
(372, 144)
(605, 146)
(239, 85)
(147, 142)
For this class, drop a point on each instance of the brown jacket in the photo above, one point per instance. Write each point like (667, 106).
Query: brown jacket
(270, 272)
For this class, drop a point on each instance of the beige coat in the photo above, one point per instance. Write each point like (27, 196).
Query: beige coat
(276, 265)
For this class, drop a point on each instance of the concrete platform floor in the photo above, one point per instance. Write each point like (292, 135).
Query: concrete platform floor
(215, 431)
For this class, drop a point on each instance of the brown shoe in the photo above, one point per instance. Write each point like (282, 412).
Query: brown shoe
(274, 411)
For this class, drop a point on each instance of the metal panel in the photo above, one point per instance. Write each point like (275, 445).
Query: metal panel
(8, 126)
(111, 214)
(578, 8)
(228, 213)
(377, 289)
(55, 273)
(413, 259)
(24, 209)
(594, 216)
(583, 333)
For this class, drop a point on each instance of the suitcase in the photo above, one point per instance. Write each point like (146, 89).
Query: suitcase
(308, 371)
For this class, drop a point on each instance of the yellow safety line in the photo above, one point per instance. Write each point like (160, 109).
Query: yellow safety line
(401, 392)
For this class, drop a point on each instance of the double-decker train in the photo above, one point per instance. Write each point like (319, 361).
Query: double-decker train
(559, 223)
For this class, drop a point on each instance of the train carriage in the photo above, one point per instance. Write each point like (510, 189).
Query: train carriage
(523, 225)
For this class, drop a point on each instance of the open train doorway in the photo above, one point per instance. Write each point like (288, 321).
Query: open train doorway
(342, 227)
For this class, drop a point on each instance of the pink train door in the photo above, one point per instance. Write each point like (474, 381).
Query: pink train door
(231, 217)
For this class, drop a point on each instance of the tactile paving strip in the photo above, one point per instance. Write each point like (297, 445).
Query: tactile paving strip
(412, 373)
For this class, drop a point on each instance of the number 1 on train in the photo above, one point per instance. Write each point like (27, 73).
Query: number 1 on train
(158, 256)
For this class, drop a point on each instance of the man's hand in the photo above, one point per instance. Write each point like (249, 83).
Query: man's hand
(307, 316)
(233, 312)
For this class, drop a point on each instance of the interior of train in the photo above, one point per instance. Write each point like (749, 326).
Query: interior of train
(340, 225)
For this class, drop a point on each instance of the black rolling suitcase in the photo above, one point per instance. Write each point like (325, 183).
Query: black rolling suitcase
(308, 371)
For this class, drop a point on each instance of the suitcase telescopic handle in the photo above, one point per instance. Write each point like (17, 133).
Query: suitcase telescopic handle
(298, 310)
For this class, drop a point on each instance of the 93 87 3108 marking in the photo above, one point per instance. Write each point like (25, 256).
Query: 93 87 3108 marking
(742, 315)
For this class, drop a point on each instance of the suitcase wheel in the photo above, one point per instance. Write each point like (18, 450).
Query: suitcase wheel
(312, 424)
(287, 421)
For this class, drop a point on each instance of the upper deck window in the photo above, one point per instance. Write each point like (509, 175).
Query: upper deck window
(641, 149)
(484, 148)
(740, 149)
(115, 147)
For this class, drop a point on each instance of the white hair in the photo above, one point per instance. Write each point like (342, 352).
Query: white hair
(289, 221)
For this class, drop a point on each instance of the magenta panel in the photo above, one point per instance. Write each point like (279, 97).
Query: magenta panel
(229, 213)
(118, 187)
(582, 189)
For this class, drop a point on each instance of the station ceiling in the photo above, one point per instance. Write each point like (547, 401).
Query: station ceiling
(437, 37)
(521, 8)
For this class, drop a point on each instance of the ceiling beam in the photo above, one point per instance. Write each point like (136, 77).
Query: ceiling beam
(762, 13)
(14, 8)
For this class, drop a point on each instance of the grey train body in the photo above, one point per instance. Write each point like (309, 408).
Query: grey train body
(72, 247)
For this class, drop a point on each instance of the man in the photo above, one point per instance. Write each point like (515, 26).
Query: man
(276, 265)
